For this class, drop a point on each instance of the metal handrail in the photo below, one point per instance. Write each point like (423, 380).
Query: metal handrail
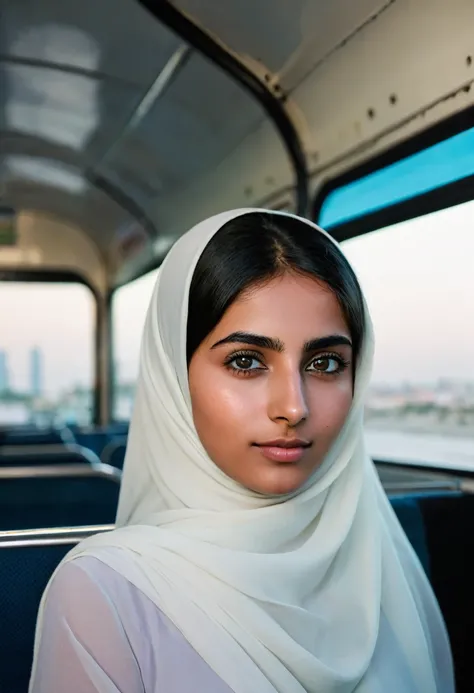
(420, 486)
(97, 469)
(50, 536)
(428, 467)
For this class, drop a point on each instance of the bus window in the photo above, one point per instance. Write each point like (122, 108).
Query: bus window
(129, 307)
(46, 353)
(443, 164)
(418, 280)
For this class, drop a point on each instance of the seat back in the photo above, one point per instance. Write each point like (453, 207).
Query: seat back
(36, 436)
(440, 527)
(98, 438)
(46, 455)
(408, 511)
(95, 440)
(449, 532)
(27, 561)
(58, 496)
(114, 452)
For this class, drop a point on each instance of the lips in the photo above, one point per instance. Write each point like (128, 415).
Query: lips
(284, 449)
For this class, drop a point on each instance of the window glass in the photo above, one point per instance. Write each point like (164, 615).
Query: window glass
(419, 283)
(46, 353)
(129, 308)
(441, 164)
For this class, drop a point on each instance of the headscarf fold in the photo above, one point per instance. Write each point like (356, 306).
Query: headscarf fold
(317, 592)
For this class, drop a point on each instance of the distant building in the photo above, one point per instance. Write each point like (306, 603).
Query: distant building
(4, 373)
(36, 372)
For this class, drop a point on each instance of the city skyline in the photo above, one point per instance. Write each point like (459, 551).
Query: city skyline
(36, 371)
(35, 362)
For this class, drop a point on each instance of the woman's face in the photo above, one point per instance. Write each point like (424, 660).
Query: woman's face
(271, 385)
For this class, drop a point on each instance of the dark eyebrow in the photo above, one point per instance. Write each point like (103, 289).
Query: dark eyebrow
(251, 339)
(275, 344)
(325, 342)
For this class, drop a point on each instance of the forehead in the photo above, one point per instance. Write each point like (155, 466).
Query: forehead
(287, 305)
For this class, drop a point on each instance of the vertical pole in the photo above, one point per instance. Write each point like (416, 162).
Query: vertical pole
(103, 365)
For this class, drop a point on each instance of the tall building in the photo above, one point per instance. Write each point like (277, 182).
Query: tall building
(4, 374)
(36, 372)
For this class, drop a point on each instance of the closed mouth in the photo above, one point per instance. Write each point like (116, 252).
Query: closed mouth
(284, 443)
(284, 451)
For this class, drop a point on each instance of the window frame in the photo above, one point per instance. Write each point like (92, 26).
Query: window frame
(153, 265)
(52, 276)
(440, 198)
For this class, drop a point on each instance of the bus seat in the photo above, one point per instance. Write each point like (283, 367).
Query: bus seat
(114, 452)
(408, 511)
(27, 561)
(119, 428)
(36, 436)
(94, 440)
(58, 496)
(440, 527)
(46, 455)
(98, 438)
(449, 530)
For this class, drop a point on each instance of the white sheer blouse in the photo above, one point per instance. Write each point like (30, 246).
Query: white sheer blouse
(102, 635)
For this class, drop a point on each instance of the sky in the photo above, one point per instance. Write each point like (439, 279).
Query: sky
(418, 278)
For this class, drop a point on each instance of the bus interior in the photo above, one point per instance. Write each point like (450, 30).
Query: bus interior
(124, 122)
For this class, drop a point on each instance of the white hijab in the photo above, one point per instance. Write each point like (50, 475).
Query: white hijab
(321, 593)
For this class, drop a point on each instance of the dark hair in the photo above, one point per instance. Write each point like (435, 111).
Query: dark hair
(256, 247)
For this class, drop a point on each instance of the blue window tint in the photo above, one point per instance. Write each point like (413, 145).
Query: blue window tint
(443, 163)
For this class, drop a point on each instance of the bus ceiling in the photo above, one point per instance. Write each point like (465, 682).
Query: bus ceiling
(124, 122)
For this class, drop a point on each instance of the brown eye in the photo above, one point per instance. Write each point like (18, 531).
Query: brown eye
(325, 364)
(244, 362)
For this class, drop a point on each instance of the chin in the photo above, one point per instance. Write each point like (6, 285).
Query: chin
(279, 481)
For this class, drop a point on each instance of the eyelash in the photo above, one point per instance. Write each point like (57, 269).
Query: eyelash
(246, 372)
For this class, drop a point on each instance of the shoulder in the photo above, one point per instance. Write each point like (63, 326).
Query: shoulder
(80, 634)
(88, 601)
(85, 583)
(123, 629)
(87, 588)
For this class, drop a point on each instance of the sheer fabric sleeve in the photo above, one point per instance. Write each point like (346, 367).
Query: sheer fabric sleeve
(82, 645)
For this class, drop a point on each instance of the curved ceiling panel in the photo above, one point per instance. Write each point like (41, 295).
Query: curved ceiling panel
(71, 78)
(286, 38)
(185, 133)
(105, 115)
(90, 209)
(110, 38)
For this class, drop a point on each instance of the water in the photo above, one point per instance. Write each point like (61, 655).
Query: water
(447, 451)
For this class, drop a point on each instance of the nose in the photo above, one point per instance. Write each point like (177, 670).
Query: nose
(287, 398)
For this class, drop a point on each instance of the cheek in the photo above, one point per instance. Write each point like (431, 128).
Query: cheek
(223, 412)
(330, 406)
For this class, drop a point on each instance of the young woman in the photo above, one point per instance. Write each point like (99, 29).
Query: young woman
(256, 550)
